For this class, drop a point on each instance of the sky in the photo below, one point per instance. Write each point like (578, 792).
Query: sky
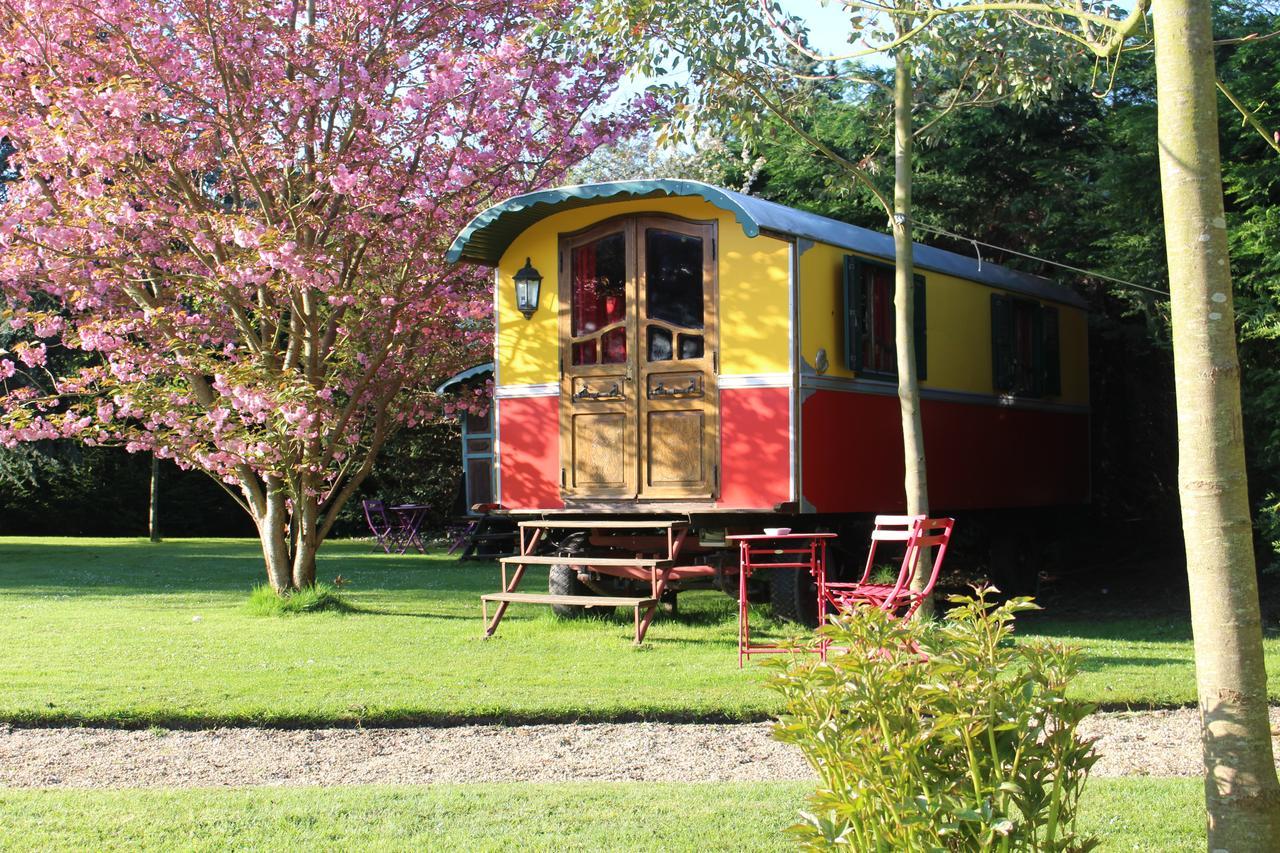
(828, 24)
(828, 33)
(828, 30)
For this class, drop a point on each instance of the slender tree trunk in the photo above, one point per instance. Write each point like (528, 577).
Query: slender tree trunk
(305, 543)
(153, 516)
(273, 530)
(1242, 796)
(915, 479)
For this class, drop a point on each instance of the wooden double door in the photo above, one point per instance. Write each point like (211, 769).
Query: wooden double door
(638, 354)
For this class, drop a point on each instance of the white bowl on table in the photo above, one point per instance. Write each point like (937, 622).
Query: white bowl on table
(777, 531)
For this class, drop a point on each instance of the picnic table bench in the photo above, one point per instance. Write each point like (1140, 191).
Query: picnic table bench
(657, 569)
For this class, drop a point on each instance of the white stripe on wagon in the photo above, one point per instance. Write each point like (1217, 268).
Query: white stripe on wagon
(545, 389)
(755, 380)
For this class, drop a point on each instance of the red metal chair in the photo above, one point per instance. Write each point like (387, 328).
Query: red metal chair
(917, 533)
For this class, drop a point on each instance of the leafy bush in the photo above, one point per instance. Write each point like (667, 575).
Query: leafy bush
(1267, 520)
(264, 601)
(938, 736)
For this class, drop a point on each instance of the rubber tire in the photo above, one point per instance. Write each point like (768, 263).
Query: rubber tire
(794, 596)
(1015, 565)
(563, 580)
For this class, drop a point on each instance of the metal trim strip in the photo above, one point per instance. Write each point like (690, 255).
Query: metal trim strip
(941, 395)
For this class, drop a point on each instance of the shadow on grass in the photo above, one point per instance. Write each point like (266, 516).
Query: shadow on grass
(1125, 627)
(1098, 663)
(138, 567)
(389, 718)
(361, 610)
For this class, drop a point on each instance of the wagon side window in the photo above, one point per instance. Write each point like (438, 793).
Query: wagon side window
(1025, 357)
(870, 348)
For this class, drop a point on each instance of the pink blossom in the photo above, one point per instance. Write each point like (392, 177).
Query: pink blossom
(244, 238)
(32, 355)
(201, 299)
(47, 327)
(343, 181)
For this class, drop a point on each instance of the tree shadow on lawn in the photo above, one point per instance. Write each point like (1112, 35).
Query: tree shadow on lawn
(1099, 663)
(96, 567)
(1121, 627)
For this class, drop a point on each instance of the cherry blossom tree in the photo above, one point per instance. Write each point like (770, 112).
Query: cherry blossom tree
(231, 215)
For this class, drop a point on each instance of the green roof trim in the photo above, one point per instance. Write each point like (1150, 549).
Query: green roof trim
(488, 235)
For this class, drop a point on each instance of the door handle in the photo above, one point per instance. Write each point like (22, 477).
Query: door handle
(629, 376)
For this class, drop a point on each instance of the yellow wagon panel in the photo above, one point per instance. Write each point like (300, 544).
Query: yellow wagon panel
(753, 285)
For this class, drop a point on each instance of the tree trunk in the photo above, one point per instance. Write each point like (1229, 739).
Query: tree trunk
(273, 530)
(915, 480)
(305, 543)
(153, 515)
(1242, 796)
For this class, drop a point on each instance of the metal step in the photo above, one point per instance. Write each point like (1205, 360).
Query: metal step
(587, 560)
(637, 524)
(576, 600)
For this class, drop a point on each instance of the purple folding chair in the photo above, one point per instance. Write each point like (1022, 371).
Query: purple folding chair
(385, 532)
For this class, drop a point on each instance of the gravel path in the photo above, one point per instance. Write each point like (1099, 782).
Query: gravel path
(1155, 743)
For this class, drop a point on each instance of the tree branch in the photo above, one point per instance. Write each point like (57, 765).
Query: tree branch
(1250, 118)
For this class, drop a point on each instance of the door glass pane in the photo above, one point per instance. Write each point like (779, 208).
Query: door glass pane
(478, 423)
(673, 278)
(659, 344)
(599, 294)
(479, 481)
(691, 346)
(613, 344)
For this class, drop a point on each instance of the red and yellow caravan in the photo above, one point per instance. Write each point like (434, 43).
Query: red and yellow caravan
(715, 359)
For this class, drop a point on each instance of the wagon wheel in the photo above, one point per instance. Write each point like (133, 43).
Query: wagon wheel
(563, 580)
(794, 596)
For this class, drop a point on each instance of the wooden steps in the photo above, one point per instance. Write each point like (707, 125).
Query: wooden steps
(586, 560)
(576, 600)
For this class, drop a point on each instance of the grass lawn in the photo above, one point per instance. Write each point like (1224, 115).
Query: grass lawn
(1155, 814)
(126, 632)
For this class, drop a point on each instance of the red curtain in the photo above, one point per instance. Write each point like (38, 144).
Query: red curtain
(597, 302)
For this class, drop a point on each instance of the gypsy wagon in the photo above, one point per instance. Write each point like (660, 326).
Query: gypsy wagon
(675, 361)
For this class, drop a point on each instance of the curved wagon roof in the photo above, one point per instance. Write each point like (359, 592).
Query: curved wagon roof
(487, 236)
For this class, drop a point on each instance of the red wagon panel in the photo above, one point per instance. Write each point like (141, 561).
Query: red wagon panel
(980, 456)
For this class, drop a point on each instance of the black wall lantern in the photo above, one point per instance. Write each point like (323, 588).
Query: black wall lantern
(528, 286)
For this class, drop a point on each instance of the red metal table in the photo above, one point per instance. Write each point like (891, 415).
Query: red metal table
(755, 551)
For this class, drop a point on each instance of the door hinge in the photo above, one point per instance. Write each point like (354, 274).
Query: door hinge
(715, 361)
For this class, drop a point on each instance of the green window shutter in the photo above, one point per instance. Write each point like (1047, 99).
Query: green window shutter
(853, 294)
(1052, 353)
(920, 329)
(1037, 352)
(1002, 342)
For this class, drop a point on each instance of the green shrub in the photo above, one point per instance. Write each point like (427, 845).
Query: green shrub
(1267, 520)
(264, 601)
(938, 736)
